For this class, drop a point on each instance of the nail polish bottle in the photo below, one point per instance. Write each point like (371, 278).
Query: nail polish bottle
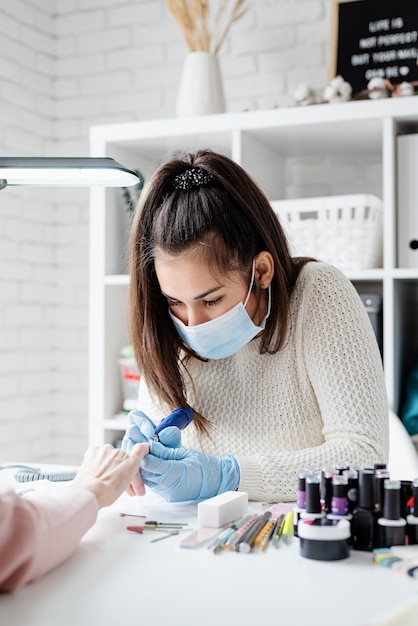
(365, 515)
(380, 475)
(327, 475)
(339, 501)
(340, 468)
(301, 493)
(412, 518)
(313, 509)
(352, 488)
(300, 499)
(392, 526)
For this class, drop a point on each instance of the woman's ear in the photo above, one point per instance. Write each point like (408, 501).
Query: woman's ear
(264, 269)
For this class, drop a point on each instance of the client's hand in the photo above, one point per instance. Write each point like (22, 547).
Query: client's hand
(179, 474)
(141, 429)
(107, 472)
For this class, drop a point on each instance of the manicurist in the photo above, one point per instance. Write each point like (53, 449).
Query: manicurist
(275, 355)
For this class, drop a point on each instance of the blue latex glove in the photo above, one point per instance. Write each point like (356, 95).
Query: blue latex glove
(180, 474)
(141, 429)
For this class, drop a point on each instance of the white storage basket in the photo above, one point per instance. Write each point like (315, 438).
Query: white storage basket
(345, 231)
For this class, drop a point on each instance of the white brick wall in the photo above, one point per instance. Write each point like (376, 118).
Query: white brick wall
(64, 66)
(27, 248)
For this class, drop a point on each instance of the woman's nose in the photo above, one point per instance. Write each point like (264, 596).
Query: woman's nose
(196, 317)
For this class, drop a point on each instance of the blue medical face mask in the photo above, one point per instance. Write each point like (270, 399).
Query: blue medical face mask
(224, 335)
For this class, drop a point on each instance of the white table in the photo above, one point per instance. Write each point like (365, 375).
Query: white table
(117, 578)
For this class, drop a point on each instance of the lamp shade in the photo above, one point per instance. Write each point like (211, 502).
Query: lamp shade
(65, 172)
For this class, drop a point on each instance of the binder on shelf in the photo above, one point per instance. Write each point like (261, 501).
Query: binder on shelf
(373, 304)
(407, 205)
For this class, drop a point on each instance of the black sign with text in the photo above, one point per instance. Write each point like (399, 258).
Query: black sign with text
(377, 38)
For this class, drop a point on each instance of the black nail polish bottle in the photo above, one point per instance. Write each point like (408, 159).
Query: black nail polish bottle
(391, 525)
(380, 475)
(365, 515)
(313, 508)
(352, 491)
(327, 475)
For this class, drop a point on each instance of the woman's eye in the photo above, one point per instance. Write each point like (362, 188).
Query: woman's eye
(173, 302)
(212, 302)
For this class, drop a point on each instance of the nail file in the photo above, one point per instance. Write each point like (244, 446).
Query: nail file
(199, 537)
(222, 509)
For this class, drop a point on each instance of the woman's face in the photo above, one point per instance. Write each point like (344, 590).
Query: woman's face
(195, 293)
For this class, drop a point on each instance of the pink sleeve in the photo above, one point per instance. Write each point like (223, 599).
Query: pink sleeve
(39, 531)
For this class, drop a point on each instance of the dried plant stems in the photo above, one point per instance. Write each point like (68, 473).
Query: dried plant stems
(202, 28)
(224, 20)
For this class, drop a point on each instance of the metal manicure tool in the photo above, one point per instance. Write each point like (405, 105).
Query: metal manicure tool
(153, 524)
(169, 533)
(157, 525)
(169, 529)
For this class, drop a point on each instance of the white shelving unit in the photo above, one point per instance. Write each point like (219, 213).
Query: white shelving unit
(262, 142)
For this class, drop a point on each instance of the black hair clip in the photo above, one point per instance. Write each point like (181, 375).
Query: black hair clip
(193, 177)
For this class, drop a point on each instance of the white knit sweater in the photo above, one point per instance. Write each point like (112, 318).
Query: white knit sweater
(319, 401)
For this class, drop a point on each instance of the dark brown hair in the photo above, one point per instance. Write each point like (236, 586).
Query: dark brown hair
(232, 215)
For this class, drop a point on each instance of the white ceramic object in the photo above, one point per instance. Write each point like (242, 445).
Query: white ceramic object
(304, 95)
(378, 88)
(338, 90)
(201, 89)
(405, 89)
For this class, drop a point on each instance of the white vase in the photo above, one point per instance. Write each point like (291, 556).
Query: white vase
(200, 90)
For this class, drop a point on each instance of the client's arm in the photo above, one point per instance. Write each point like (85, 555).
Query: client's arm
(39, 531)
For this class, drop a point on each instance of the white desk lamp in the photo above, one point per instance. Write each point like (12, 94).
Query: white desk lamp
(65, 172)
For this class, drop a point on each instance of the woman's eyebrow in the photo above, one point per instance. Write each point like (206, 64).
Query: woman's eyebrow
(207, 293)
(199, 297)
